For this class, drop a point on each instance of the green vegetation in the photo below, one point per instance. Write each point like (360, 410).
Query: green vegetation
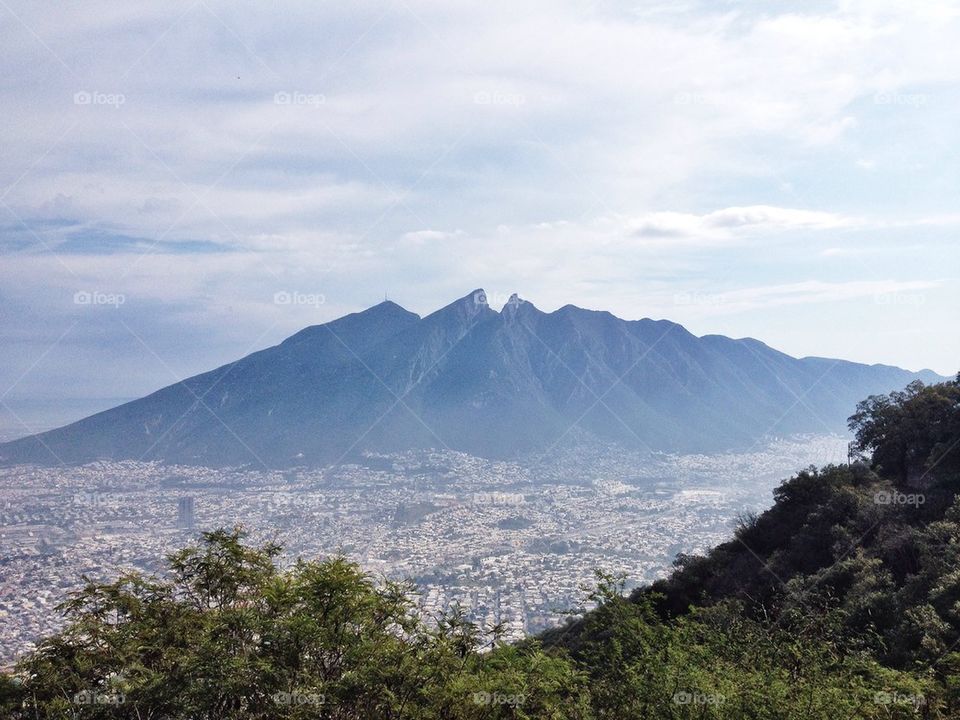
(229, 635)
(841, 601)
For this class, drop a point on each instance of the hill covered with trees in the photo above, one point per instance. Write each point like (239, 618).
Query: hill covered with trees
(841, 601)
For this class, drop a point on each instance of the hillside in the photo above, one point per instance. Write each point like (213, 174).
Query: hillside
(853, 573)
(466, 377)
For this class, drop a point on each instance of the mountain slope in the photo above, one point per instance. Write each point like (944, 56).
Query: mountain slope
(469, 378)
(848, 584)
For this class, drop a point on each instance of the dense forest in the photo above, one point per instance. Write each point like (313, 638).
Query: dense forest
(841, 601)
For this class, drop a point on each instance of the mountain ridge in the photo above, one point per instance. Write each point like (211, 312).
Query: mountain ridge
(467, 377)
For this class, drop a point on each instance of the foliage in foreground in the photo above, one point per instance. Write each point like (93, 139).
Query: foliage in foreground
(842, 601)
(230, 635)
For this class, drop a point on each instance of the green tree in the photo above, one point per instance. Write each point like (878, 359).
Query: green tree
(230, 635)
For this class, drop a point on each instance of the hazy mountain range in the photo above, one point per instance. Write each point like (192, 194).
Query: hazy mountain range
(466, 377)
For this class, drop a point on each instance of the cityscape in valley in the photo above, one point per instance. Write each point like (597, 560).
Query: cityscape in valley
(515, 543)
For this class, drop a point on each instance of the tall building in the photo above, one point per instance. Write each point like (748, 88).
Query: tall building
(185, 517)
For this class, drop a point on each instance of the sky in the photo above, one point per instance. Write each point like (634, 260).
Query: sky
(182, 183)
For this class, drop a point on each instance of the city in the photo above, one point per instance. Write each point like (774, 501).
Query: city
(511, 543)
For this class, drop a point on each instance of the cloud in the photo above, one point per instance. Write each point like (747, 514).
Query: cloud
(423, 237)
(818, 291)
(490, 101)
(593, 153)
(735, 221)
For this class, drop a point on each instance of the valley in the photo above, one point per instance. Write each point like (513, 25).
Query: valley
(510, 542)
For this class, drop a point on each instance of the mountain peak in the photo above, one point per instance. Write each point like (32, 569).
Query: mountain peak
(516, 304)
(360, 329)
(479, 297)
(465, 308)
(385, 311)
(491, 384)
(386, 305)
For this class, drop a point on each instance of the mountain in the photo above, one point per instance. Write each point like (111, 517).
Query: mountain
(469, 378)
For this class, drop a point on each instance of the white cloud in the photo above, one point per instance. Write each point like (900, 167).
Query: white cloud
(818, 291)
(422, 237)
(574, 152)
(734, 221)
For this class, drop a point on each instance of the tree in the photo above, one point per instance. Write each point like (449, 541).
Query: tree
(912, 434)
(230, 635)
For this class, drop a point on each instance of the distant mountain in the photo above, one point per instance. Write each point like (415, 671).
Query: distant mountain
(495, 384)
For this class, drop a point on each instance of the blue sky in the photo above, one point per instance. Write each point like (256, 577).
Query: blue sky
(786, 171)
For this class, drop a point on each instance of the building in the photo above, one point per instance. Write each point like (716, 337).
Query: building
(185, 518)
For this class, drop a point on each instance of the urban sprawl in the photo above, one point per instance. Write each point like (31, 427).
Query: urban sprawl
(511, 543)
